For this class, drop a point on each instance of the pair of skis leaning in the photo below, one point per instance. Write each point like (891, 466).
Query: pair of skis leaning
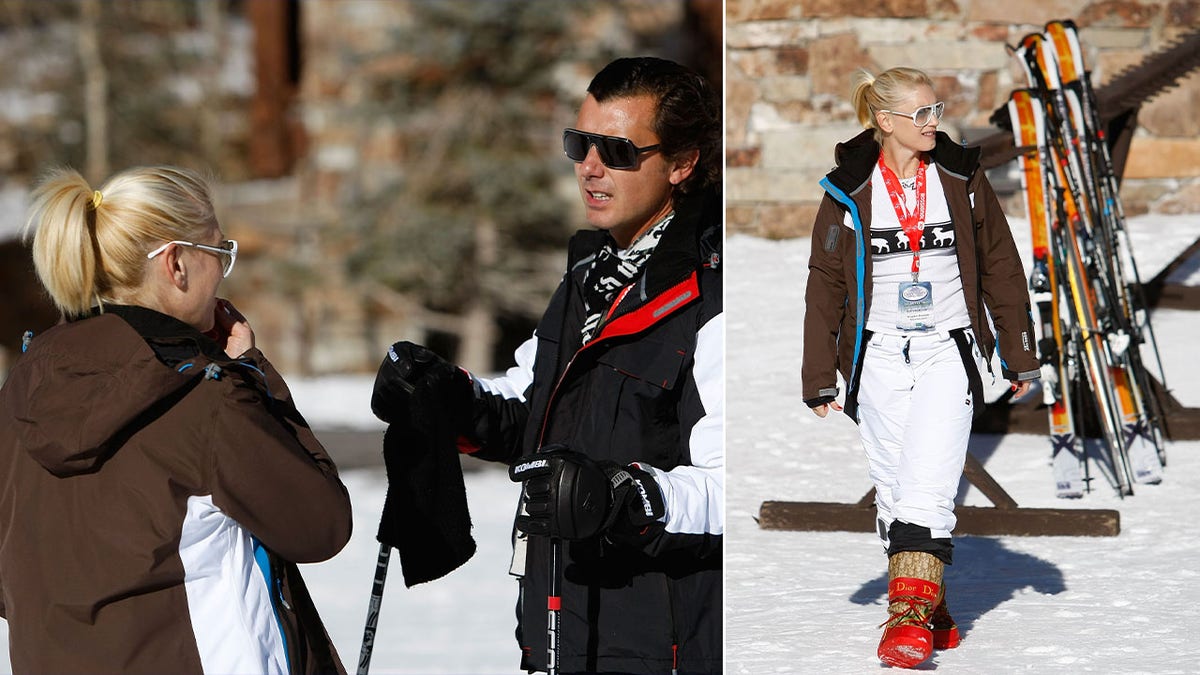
(1091, 314)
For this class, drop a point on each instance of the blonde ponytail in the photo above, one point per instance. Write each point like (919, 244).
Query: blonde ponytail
(64, 251)
(862, 84)
(89, 246)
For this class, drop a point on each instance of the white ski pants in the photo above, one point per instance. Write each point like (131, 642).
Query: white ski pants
(915, 413)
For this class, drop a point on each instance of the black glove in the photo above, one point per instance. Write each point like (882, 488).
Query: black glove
(427, 404)
(415, 385)
(638, 505)
(570, 496)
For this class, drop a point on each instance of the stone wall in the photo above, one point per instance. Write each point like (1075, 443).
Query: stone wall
(174, 76)
(789, 65)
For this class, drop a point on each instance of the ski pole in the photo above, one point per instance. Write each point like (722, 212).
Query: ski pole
(553, 607)
(368, 643)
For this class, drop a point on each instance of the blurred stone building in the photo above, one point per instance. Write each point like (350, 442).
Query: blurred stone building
(788, 87)
(341, 135)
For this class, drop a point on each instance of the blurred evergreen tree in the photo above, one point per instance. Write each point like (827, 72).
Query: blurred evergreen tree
(467, 223)
(130, 82)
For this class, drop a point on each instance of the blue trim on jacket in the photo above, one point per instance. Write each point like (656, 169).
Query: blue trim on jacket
(262, 558)
(860, 270)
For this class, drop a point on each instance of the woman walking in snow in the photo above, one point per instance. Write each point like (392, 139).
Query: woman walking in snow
(157, 485)
(910, 253)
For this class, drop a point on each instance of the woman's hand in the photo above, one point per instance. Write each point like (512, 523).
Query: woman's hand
(1019, 389)
(823, 409)
(233, 332)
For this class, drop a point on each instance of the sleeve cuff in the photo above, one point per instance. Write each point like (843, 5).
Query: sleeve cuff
(1024, 376)
(819, 401)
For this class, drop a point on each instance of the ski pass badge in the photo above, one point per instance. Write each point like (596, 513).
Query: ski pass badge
(916, 306)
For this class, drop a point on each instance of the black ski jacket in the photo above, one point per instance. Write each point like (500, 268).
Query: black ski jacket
(647, 389)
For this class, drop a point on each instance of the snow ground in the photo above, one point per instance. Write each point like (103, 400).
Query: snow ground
(805, 602)
(461, 623)
(809, 602)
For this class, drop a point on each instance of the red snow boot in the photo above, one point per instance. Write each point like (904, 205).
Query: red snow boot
(941, 624)
(912, 595)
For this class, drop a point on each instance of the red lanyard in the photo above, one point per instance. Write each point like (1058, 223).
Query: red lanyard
(910, 222)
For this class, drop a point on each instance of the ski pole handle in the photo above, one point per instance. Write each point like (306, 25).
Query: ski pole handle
(368, 643)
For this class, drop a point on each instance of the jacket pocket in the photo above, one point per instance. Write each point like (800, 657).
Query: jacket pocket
(831, 237)
(636, 406)
(650, 361)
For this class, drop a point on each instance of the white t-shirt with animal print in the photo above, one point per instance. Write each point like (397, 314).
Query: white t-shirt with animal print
(892, 257)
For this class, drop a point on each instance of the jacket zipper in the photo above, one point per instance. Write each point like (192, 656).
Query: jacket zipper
(612, 310)
(282, 606)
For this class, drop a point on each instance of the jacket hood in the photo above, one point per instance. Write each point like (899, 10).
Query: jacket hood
(85, 386)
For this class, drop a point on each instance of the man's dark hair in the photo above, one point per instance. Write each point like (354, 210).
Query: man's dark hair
(687, 117)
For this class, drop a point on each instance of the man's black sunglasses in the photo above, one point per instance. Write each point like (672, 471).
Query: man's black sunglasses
(615, 152)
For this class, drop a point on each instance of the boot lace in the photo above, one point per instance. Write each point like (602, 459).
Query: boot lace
(915, 610)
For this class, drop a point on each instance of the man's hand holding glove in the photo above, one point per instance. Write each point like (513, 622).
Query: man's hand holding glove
(415, 385)
(570, 496)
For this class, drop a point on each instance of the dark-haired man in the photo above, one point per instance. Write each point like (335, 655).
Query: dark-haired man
(612, 418)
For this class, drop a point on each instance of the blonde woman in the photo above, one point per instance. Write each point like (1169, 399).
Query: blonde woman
(157, 485)
(910, 254)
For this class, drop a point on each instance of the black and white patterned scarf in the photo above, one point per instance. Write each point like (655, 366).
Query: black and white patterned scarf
(613, 269)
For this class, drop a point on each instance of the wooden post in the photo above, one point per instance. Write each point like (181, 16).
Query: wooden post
(271, 152)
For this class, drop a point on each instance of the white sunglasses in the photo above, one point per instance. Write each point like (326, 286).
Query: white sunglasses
(923, 115)
(227, 248)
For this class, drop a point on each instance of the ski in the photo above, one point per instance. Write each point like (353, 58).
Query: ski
(1067, 456)
(1073, 247)
(1088, 252)
(1140, 417)
(1145, 426)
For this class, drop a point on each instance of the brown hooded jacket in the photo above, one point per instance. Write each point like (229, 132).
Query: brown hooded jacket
(141, 474)
(839, 281)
